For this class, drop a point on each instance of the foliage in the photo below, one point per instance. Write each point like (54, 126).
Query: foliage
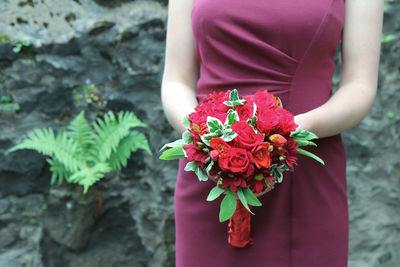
(394, 117)
(19, 43)
(386, 38)
(90, 95)
(6, 103)
(81, 155)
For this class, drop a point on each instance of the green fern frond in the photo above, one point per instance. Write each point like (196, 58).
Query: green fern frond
(88, 176)
(60, 147)
(79, 155)
(110, 132)
(140, 142)
(131, 143)
(58, 170)
(82, 133)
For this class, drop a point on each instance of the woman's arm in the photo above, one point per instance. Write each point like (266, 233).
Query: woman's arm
(360, 60)
(181, 68)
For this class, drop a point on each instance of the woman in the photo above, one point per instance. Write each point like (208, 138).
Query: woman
(286, 47)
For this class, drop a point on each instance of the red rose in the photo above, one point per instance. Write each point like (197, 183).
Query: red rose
(264, 100)
(245, 111)
(246, 137)
(212, 105)
(260, 156)
(267, 121)
(286, 121)
(236, 161)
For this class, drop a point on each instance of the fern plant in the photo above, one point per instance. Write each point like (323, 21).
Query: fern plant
(81, 155)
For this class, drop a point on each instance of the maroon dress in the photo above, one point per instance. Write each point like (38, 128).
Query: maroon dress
(287, 47)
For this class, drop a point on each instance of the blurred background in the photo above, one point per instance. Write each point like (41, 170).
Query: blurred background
(58, 57)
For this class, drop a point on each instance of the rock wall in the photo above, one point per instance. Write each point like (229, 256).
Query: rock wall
(116, 49)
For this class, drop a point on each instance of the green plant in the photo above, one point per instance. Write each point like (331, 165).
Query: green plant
(4, 38)
(6, 103)
(394, 117)
(386, 38)
(83, 156)
(89, 94)
(16, 42)
(19, 43)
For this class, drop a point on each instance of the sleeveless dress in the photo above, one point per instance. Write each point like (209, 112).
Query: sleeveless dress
(286, 47)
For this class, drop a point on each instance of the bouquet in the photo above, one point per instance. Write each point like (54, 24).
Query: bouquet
(244, 145)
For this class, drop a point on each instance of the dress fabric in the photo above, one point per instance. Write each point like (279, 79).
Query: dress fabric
(286, 47)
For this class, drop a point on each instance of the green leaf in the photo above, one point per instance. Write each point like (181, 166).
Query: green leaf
(176, 143)
(228, 103)
(110, 131)
(80, 130)
(228, 135)
(214, 124)
(58, 171)
(228, 206)
(280, 102)
(59, 147)
(88, 176)
(201, 174)
(238, 103)
(277, 173)
(207, 137)
(214, 193)
(187, 137)
(387, 38)
(311, 155)
(303, 135)
(305, 143)
(131, 143)
(242, 199)
(232, 117)
(173, 153)
(191, 166)
(209, 167)
(234, 95)
(251, 198)
(186, 122)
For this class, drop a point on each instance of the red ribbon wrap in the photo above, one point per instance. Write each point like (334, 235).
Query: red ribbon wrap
(239, 227)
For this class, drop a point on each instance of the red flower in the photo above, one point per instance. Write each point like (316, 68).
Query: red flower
(233, 182)
(258, 183)
(245, 111)
(267, 121)
(246, 138)
(219, 145)
(195, 153)
(236, 161)
(286, 121)
(212, 105)
(258, 186)
(291, 152)
(264, 100)
(277, 140)
(260, 156)
(197, 118)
